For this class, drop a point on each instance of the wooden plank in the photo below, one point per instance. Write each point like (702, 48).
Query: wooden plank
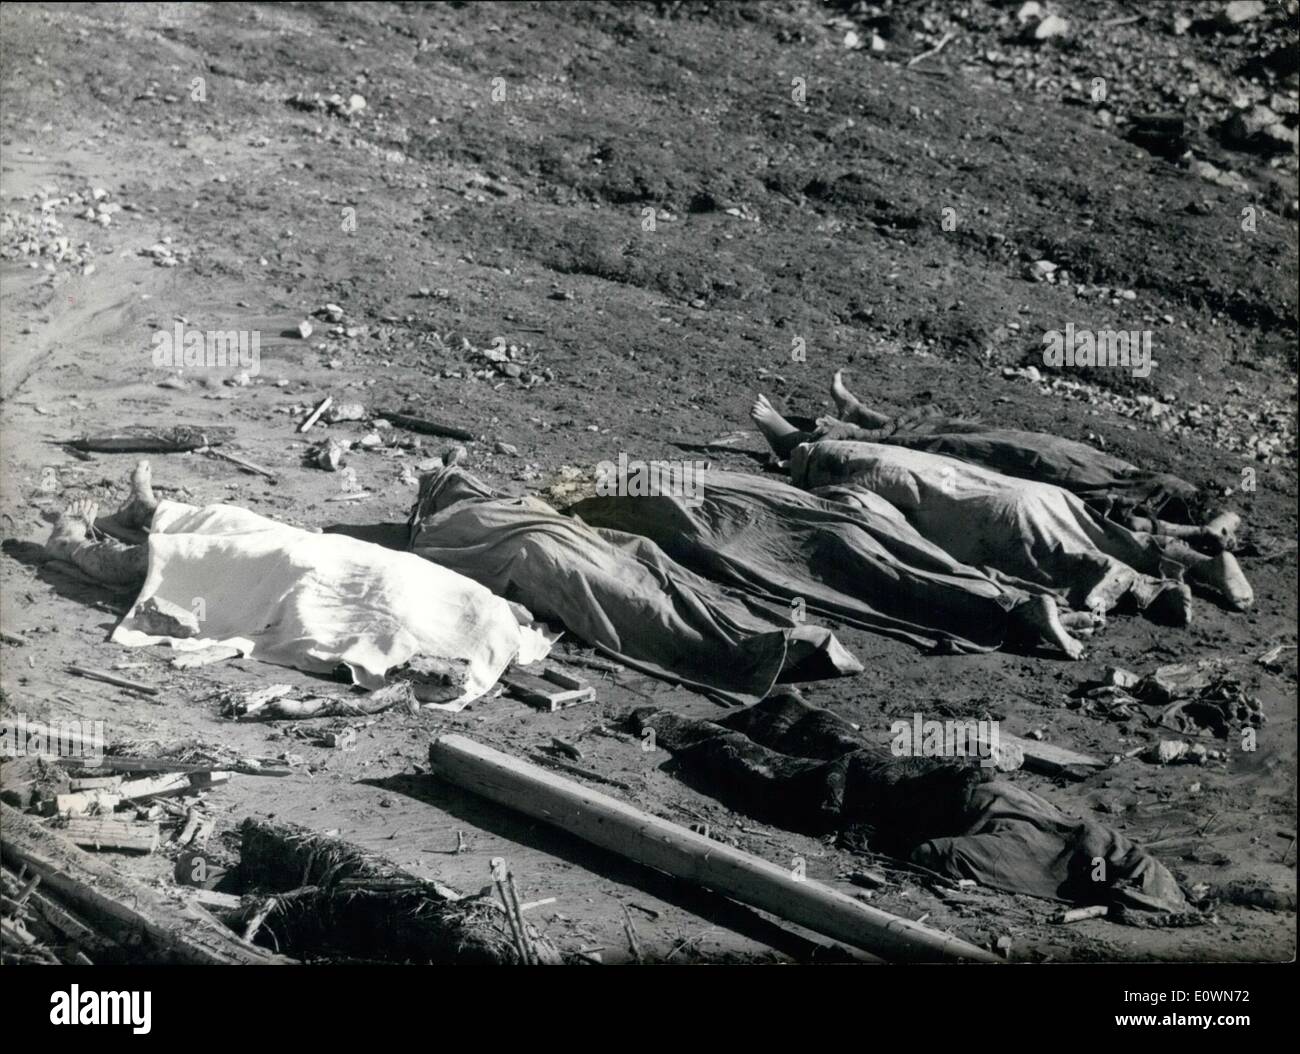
(545, 694)
(424, 425)
(247, 766)
(564, 678)
(143, 440)
(103, 896)
(1052, 760)
(207, 780)
(188, 660)
(637, 835)
(103, 832)
(73, 929)
(315, 415)
(152, 786)
(244, 463)
(84, 801)
(214, 901)
(90, 783)
(121, 682)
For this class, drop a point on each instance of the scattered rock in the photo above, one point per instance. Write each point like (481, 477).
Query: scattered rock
(345, 412)
(1031, 11)
(1239, 11)
(329, 455)
(1041, 271)
(1118, 677)
(1176, 751)
(1049, 28)
(1259, 130)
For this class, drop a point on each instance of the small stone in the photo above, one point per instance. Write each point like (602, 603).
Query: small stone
(508, 449)
(345, 412)
(1257, 129)
(455, 456)
(330, 455)
(1118, 677)
(1050, 27)
(304, 329)
(1041, 270)
(1239, 11)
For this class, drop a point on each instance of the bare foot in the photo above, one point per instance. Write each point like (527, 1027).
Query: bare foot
(136, 513)
(1223, 574)
(1041, 613)
(1083, 621)
(73, 526)
(768, 421)
(141, 503)
(845, 401)
(1223, 527)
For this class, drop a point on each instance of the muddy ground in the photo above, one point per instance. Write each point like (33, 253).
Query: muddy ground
(495, 187)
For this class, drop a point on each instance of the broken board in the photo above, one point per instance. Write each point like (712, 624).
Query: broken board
(556, 688)
(1052, 760)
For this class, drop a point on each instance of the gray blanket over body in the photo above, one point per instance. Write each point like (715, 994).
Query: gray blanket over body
(618, 592)
(1107, 483)
(846, 553)
(1021, 532)
(807, 769)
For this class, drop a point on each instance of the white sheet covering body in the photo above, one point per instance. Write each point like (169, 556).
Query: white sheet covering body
(311, 601)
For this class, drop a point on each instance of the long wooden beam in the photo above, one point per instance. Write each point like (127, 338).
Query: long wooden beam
(637, 835)
(99, 893)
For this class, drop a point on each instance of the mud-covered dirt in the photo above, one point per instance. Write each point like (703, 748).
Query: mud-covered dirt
(657, 205)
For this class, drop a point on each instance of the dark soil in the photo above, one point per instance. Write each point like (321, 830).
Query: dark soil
(503, 178)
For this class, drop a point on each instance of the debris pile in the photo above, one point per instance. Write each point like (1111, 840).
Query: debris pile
(38, 234)
(1263, 429)
(164, 254)
(1192, 698)
(334, 104)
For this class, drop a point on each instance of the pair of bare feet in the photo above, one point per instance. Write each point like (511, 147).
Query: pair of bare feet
(782, 436)
(77, 523)
(1219, 572)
